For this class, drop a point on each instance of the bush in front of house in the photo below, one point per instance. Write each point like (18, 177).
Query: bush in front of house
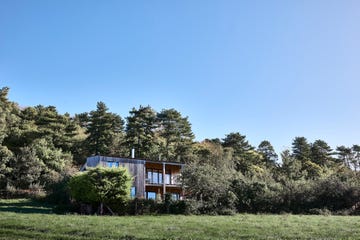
(102, 187)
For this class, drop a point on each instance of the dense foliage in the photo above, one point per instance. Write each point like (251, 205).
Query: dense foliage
(40, 148)
(99, 186)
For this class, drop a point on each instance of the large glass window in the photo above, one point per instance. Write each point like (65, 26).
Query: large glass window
(149, 176)
(160, 177)
(154, 176)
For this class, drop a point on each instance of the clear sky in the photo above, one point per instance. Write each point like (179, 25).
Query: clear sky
(268, 69)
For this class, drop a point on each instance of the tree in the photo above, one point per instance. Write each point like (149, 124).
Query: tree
(210, 187)
(238, 142)
(102, 186)
(356, 157)
(210, 152)
(177, 134)
(345, 155)
(140, 131)
(301, 149)
(27, 169)
(243, 153)
(269, 155)
(43, 122)
(55, 162)
(102, 129)
(321, 153)
(8, 118)
(291, 167)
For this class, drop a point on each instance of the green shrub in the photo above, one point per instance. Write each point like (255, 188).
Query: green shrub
(101, 186)
(144, 207)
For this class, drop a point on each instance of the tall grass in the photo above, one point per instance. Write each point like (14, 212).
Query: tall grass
(41, 224)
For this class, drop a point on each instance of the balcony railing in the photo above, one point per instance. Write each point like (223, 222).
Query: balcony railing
(171, 180)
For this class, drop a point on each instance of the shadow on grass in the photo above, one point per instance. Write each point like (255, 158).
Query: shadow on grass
(25, 206)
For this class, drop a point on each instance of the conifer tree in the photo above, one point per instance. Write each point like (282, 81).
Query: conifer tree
(140, 131)
(102, 128)
(177, 134)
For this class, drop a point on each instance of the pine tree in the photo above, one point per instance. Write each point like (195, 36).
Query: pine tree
(301, 149)
(102, 128)
(140, 131)
(321, 153)
(177, 134)
(269, 155)
(244, 155)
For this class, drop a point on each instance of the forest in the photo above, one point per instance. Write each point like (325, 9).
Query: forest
(40, 149)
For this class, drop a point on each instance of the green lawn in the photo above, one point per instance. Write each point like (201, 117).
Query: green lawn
(24, 219)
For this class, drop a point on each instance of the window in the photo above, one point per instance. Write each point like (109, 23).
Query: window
(151, 195)
(154, 176)
(133, 192)
(167, 177)
(112, 164)
(175, 196)
(148, 176)
(160, 177)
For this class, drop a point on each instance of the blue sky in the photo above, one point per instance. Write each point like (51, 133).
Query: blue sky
(268, 69)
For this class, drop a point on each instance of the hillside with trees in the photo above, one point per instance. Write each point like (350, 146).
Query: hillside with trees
(41, 148)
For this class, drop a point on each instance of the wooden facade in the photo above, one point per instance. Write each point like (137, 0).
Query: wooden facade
(151, 179)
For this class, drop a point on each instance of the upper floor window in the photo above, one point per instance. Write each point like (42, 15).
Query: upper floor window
(112, 164)
(154, 176)
(167, 177)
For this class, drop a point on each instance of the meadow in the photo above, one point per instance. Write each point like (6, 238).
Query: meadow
(26, 219)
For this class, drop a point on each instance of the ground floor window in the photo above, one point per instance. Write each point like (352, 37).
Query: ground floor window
(151, 195)
(175, 196)
(133, 192)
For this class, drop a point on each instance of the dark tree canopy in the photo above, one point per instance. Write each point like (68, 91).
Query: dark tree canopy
(176, 132)
(321, 153)
(269, 155)
(140, 131)
(237, 142)
(102, 128)
(301, 149)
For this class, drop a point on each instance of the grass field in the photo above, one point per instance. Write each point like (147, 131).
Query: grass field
(25, 219)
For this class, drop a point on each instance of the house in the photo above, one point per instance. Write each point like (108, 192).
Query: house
(152, 179)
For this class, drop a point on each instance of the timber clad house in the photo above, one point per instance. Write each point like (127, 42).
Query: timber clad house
(151, 179)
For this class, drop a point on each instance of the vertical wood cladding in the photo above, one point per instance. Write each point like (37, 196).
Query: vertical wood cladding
(137, 167)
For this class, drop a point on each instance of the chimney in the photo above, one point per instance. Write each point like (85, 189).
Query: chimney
(133, 153)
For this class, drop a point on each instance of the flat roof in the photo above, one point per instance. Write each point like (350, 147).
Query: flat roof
(138, 159)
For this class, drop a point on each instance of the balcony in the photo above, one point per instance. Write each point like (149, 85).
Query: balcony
(155, 177)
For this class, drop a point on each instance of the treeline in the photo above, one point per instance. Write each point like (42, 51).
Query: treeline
(40, 148)
(230, 176)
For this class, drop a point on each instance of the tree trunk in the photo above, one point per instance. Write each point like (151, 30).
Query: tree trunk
(101, 212)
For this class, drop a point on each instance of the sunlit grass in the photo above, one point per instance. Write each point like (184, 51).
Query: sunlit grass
(32, 225)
